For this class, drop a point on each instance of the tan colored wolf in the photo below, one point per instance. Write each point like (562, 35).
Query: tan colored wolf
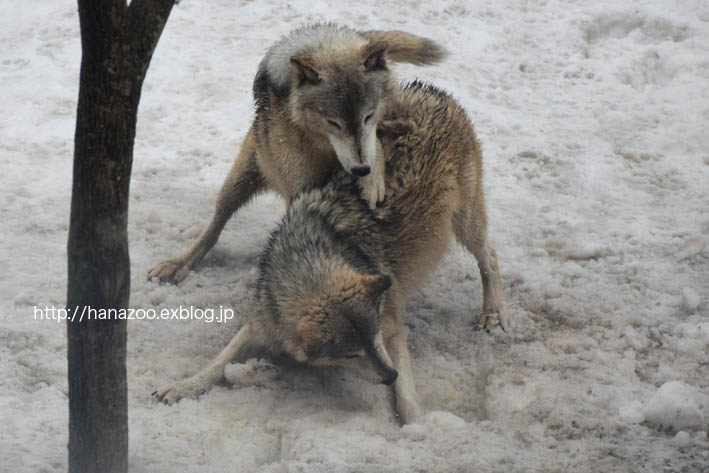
(320, 93)
(335, 275)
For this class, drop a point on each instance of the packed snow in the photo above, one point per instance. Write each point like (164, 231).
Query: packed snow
(594, 120)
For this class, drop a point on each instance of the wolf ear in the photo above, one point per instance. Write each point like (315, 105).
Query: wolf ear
(374, 56)
(304, 66)
(376, 285)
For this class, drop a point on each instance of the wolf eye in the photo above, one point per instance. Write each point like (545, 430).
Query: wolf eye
(335, 124)
(351, 356)
(368, 117)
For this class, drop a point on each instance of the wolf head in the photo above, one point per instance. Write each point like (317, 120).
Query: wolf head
(338, 324)
(335, 81)
(340, 94)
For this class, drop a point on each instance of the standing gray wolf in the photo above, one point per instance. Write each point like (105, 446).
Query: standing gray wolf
(320, 93)
(336, 273)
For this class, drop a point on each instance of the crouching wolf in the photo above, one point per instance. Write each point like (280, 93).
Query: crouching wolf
(319, 94)
(336, 273)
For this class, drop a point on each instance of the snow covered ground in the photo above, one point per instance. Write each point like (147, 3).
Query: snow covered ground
(594, 118)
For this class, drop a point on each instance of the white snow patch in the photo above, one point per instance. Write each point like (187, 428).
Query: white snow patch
(682, 439)
(677, 406)
(690, 300)
(632, 413)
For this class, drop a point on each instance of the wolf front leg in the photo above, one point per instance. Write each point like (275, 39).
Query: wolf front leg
(407, 401)
(196, 385)
(242, 183)
(396, 334)
(373, 185)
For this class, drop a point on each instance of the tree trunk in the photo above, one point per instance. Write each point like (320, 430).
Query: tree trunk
(117, 45)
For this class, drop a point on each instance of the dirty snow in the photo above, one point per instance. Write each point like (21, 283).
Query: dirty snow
(594, 118)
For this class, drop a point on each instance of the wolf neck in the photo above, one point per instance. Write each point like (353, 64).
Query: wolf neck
(334, 249)
(308, 250)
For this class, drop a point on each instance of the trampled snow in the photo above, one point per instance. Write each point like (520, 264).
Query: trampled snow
(594, 120)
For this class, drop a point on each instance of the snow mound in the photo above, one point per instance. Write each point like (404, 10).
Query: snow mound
(676, 406)
(690, 300)
(646, 30)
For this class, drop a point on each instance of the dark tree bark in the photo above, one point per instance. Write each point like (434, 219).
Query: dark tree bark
(117, 43)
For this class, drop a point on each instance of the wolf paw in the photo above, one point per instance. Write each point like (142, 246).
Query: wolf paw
(171, 271)
(489, 319)
(392, 129)
(190, 388)
(409, 411)
(373, 188)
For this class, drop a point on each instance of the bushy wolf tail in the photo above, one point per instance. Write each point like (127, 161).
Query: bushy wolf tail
(405, 47)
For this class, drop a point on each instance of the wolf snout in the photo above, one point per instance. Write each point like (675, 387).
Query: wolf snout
(360, 171)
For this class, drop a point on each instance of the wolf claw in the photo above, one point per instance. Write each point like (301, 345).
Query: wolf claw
(490, 319)
(190, 388)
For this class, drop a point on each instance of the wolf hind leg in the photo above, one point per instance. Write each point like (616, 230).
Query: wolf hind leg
(243, 182)
(200, 383)
(471, 230)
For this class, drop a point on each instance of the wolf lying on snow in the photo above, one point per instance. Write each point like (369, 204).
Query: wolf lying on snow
(319, 93)
(336, 273)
